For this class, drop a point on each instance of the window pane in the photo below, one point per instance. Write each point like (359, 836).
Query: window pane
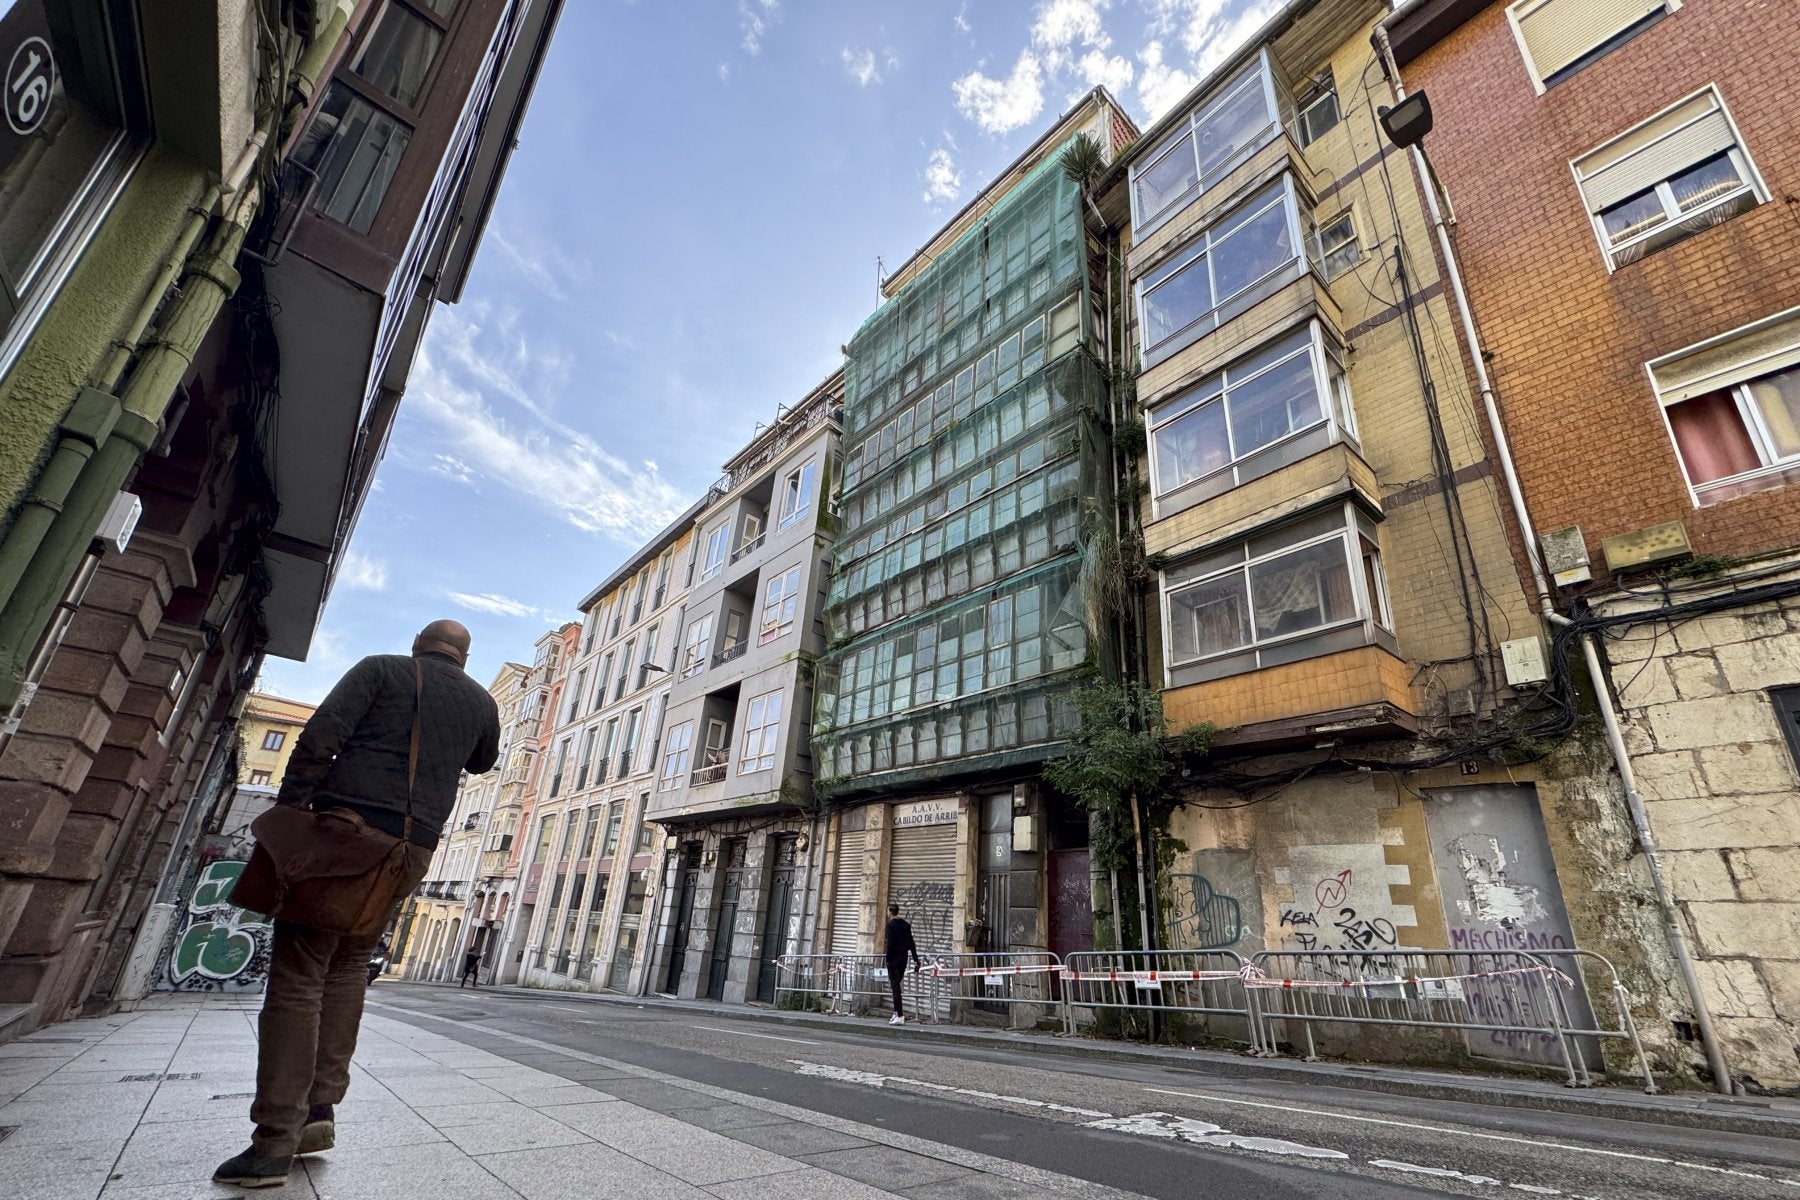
(1191, 447)
(1711, 437)
(1302, 590)
(1706, 184)
(1171, 176)
(1253, 250)
(1627, 219)
(1233, 125)
(355, 150)
(1274, 404)
(1177, 302)
(398, 54)
(1209, 618)
(1777, 398)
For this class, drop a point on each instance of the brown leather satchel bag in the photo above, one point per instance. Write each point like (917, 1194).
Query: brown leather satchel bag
(330, 870)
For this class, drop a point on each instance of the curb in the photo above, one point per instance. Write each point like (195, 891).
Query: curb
(1695, 1110)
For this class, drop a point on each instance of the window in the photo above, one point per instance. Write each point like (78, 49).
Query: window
(1787, 712)
(608, 740)
(606, 665)
(1559, 37)
(576, 693)
(1309, 577)
(546, 831)
(1680, 173)
(718, 544)
(1338, 249)
(1209, 438)
(664, 569)
(397, 55)
(762, 730)
(354, 148)
(634, 721)
(649, 664)
(1216, 136)
(1316, 109)
(1191, 293)
(781, 602)
(637, 596)
(644, 830)
(591, 832)
(589, 628)
(274, 740)
(562, 761)
(676, 756)
(260, 777)
(587, 757)
(752, 535)
(1733, 409)
(615, 820)
(718, 744)
(617, 607)
(796, 493)
(624, 669)
(699, 645)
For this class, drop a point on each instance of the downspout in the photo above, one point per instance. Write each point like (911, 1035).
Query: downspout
(1634, 803)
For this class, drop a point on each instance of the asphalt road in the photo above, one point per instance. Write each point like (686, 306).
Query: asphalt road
(1154, 1130)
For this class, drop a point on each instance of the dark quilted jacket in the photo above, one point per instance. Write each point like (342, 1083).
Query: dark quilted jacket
(352, 753)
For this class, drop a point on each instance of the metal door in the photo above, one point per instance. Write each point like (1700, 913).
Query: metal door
(724, 928)
(1071, 902)
(775, 915)
(993, 888)
(684, 917)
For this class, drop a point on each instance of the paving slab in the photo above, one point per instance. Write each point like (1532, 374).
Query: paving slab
(887, 1167)
(603, 1174)
(809, 1183)
(794, 1138)
(721, 1117)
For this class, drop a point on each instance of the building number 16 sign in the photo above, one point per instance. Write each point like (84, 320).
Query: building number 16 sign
(30, 77)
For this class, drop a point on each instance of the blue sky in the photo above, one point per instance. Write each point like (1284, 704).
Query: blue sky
(687, 235)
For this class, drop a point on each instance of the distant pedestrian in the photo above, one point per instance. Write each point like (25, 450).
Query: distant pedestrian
(899, 943)
(471, 968)
(389, 745)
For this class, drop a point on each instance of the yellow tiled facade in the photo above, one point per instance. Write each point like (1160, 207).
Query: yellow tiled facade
(1347, 680)
(266, 734)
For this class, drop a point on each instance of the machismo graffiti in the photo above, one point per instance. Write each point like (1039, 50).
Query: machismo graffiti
(218, 946)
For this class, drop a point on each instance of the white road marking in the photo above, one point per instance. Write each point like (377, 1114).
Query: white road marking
(1205, 1133)
(766, 1036)
(1468, 1133)
(845, 1075)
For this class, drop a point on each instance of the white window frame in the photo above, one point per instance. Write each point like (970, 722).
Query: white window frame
(1321, 87)
(1263, 73)
(698, 648)
(718, 548)
(1335, 410)
(562, 762)
(1352, 244)
(781, 597)
(797, 488)
(1739, 154)
(1774, 362)
(649, 661)
(762, 732)
(1538, 83)
(679, 749)
(1376, 609)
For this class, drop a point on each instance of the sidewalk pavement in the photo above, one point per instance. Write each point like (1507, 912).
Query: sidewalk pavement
(143, 1105)
(1622, 1099)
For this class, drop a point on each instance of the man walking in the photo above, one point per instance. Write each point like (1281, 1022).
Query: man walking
(899, 942)
(471, 968)
(354, 754)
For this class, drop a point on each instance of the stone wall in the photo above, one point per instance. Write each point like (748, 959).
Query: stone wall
(1719, 783)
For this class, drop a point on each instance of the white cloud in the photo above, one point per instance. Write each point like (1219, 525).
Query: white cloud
(724, 72)
(860, 65)
(1212, 30)
(1062, 25)
(1002, 105)
(755, 17)
(452, 467)
(961, 19)
(942, 180)
(498, 605)
(1160, 85)
(362, 571)
(464, 376)
(1114, 72)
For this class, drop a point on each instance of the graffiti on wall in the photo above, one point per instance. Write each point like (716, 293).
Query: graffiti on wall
(218, 947)
(1342, 900)
(928, 908)
(1201, 917)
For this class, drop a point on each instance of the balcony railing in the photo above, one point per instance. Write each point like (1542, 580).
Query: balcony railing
(493, 862)
(750, 547)
(624, 764)
(713, 773)
(735, 650)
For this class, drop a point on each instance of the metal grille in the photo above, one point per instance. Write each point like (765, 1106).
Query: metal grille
(846, 892)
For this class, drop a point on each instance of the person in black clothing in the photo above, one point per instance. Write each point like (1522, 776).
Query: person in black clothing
(899, 942)
(471, 968)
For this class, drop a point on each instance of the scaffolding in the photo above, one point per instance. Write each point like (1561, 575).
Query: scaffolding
(975, 478)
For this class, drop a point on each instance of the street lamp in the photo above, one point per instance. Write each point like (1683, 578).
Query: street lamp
(1408, 121)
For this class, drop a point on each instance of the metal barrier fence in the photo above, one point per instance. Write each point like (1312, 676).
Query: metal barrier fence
(852, 982)
(1582, 1009)
(998, 979)
(1200, 982)
(1513, 994)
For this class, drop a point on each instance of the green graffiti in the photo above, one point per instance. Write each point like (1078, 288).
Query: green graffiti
(215, 883)
(217, 951)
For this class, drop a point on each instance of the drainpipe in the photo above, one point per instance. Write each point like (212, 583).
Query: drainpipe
(1615, 740)
(57, 543)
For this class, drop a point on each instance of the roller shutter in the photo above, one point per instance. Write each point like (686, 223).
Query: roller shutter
(846, 893)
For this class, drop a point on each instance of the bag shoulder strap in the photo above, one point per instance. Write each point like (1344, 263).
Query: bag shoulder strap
(412, 749)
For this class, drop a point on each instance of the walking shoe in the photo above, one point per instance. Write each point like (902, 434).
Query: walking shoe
(896, 1019)
(320, 1131)
(253, 1170)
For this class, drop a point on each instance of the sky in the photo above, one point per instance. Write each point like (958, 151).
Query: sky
(687, 235)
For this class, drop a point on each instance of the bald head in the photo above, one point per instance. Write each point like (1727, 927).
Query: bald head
(445, 637)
